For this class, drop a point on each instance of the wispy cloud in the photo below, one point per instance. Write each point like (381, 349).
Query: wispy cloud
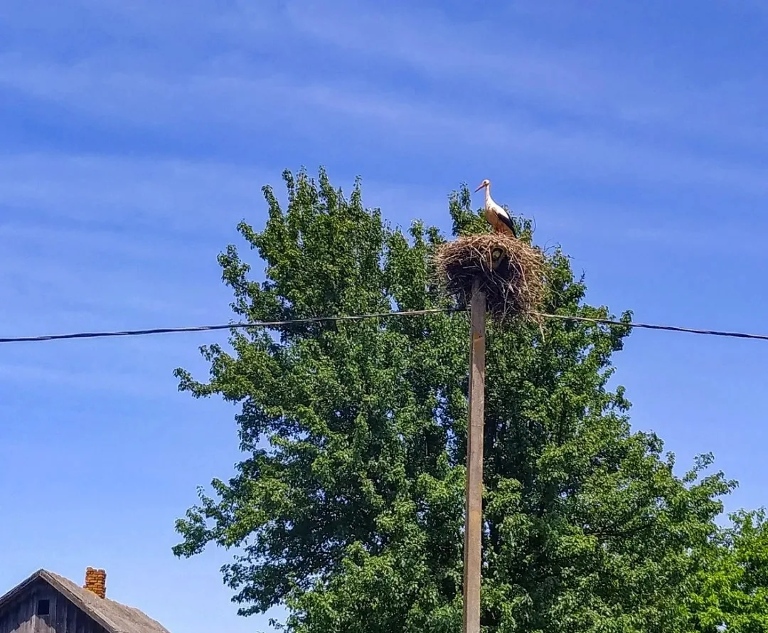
(74, 380)
(649, 230)
(136, 192)
(491, 59)
(473, 53)
(251, 102)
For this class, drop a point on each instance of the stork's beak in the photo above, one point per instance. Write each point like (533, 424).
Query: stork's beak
(482, 186)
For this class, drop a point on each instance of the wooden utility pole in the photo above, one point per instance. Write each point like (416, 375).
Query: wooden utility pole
(473, 526)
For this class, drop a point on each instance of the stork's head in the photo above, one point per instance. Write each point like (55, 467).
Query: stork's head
(483, 184)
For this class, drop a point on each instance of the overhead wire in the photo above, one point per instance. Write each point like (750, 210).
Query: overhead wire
(359, 317)
(227, 326)
(653, 326)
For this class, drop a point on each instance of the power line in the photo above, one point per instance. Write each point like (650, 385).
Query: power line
(360, 317)
(229, 326)
(652, 326)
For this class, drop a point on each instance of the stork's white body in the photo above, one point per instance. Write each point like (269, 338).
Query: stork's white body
(496, 215)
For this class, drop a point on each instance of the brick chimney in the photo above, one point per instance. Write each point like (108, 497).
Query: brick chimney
(96, 581)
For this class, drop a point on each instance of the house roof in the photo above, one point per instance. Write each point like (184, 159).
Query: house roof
(113, 616)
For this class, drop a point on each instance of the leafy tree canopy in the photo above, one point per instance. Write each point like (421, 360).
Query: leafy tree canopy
(348, 504)
(732, 591)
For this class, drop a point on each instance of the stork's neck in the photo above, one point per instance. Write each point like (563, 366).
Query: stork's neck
(488, 198)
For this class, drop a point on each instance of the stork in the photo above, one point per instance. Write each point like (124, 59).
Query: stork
(496, 215)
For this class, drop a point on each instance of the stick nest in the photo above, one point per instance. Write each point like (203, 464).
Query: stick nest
(510, 272)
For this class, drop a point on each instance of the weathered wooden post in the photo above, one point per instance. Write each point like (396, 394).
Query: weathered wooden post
(501, 277)
(473, 529)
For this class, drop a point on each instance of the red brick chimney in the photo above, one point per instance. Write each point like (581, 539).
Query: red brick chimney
(96, 581)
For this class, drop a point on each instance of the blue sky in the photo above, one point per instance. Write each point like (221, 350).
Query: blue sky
(134, 136)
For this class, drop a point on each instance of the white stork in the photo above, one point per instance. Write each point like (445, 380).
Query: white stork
(496, 215)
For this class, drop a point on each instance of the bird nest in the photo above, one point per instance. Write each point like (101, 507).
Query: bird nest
(509, 272)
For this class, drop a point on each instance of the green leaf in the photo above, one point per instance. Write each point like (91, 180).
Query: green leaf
(347, 506)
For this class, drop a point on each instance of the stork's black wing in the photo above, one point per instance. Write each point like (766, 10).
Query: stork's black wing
(507, 222)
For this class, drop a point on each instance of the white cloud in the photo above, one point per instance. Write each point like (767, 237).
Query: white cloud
(259, 101)
(134, 385)
(172, 195)
(475, 53)
(493, 63)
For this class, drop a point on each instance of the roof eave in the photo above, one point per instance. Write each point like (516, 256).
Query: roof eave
(53, 582)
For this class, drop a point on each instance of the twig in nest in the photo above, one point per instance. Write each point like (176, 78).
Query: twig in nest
(511, 273)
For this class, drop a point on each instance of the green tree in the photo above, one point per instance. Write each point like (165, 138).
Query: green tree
(348, 504)
(733, 589)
